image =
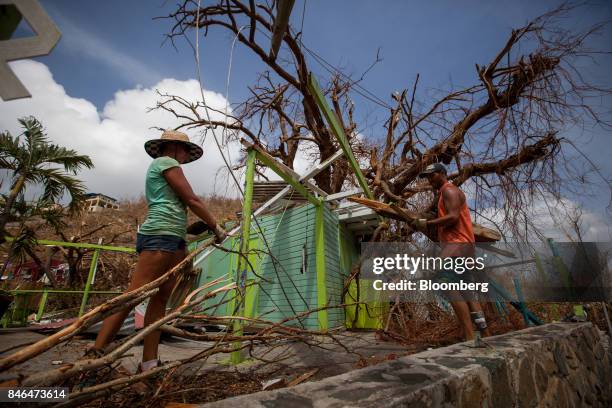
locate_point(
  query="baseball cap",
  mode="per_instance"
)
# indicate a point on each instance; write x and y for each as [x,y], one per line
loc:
[433,168]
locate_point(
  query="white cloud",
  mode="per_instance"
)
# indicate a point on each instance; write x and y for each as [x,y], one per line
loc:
[304,161]
[307,157]
[550,216]
[114,138]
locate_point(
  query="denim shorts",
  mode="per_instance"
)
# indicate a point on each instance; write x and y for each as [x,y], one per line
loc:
[167,243]
[450,276]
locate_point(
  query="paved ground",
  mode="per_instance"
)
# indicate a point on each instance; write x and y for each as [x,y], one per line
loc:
[331,358]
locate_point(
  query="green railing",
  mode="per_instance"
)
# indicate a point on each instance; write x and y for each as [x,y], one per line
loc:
[23,294]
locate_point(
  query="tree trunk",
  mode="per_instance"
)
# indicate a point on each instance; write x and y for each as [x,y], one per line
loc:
[5,216]
[43,267]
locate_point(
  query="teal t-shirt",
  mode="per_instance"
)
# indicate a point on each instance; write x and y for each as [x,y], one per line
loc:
[167,214]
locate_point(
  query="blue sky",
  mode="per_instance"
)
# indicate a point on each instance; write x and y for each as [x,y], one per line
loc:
[113,46]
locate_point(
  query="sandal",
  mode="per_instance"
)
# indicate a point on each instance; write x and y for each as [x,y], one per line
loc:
[99,375]
[153,382]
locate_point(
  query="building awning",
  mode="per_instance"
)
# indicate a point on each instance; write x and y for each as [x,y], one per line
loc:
[357,217]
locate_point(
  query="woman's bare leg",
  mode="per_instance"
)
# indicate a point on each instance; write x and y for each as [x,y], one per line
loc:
[150,266]
[462,312]
[157,309]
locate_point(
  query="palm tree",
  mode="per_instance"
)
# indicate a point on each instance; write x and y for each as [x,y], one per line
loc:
[31,160]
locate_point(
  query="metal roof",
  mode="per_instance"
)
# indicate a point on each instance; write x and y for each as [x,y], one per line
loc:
[265,190]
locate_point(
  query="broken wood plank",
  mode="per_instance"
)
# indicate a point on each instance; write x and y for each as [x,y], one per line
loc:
[381,208]
[301,378]
[338,131]
[482,234]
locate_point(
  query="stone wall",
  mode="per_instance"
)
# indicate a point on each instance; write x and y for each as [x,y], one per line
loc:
[555,365]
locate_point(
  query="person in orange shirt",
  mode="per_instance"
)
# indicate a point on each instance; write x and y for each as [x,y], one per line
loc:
[456,237]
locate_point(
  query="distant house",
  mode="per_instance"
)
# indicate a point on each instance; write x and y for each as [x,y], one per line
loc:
[97,202]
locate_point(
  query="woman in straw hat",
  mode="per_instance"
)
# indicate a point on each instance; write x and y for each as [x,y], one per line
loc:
[160,241]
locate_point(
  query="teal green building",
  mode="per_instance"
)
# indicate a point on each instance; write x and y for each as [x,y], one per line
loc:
[283,279]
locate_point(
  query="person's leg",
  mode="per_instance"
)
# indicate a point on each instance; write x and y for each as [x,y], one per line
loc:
[476,307]
[150,265]
[457,302]
[462,311]
[157,309]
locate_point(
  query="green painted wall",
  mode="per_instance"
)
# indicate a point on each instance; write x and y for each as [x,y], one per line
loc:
[289,290]
[283,288]
[370,315]
[335,273]
[216,265]
[282,292]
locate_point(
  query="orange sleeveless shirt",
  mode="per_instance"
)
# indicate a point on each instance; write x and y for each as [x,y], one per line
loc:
[462,231]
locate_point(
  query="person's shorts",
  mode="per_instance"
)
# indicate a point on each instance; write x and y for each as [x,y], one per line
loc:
[167,243]
[450,276]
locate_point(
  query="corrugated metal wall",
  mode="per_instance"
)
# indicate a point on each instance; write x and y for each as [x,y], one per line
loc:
[284,288]
[290,290]
[335,272]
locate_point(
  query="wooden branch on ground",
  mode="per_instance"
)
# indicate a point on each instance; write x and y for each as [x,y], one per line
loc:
[49,377]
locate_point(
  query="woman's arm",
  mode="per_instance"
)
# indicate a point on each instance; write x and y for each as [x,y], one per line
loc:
[176,179]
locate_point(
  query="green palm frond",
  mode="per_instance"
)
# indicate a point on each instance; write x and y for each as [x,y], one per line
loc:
[32,160]
[69,159]
[37,151]
[53,191]
[10,152]
[33,133]
[24,243]
[56,183]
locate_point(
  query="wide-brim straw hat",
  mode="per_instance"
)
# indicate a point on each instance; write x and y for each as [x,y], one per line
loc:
[154,147]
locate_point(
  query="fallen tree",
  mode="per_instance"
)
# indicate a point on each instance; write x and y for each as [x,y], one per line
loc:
[503,136]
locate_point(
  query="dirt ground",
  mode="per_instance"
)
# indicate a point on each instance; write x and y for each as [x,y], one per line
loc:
[215,379]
